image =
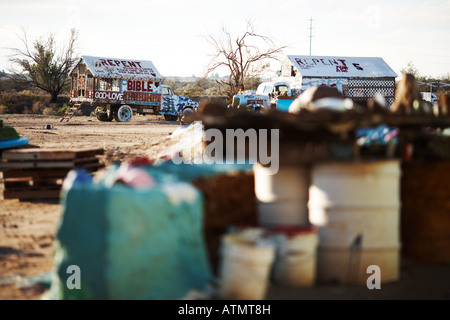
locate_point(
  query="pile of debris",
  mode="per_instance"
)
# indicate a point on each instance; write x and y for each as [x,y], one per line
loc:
[34,173]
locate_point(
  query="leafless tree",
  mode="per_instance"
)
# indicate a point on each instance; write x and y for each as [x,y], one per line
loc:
[246,56]
[41,66]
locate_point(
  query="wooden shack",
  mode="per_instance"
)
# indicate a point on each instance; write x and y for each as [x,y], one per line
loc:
[358,78]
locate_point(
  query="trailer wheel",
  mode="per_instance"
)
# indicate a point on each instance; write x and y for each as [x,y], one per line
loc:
[123,114]
[185,116]
[169,117]
[102,115]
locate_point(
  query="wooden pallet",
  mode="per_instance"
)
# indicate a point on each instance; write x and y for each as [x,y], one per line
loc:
[31,174]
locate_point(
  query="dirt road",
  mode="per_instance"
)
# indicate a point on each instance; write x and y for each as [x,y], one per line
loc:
[27,229]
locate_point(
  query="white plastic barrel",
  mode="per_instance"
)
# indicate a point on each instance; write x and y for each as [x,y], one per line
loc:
[295,259]
[356,208]
[245,267]
[282,198]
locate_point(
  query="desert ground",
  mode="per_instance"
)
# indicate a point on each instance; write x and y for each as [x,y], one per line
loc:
[28,228]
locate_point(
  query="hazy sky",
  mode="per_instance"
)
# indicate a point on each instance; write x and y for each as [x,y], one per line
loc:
[171,33]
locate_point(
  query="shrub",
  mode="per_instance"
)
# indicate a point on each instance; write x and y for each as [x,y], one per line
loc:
[62,111]
[3,109]
[39,106]
[49,111]
[27,110]
[27,92]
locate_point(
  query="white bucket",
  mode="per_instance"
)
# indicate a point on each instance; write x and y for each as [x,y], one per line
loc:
[282,197]
[296,256]
[356,207]
[245,267]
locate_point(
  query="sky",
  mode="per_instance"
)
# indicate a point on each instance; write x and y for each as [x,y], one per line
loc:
[173,33]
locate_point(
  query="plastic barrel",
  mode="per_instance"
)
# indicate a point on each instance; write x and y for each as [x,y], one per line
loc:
[245,268]
[283,104]
[356,208]
[282,198]
[296,256]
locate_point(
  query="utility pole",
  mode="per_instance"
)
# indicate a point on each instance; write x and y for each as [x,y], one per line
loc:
[310,34]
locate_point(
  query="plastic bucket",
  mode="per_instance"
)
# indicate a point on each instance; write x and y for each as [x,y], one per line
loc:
[356,208]
[282,198]
[296,251]
[244,272]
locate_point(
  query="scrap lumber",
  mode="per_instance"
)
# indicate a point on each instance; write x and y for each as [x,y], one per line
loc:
[34,173]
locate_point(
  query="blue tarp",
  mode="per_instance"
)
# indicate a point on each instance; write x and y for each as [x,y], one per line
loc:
[134,243]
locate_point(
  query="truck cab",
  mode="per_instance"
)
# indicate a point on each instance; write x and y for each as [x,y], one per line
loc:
[175,107]
[251,101]
[429,97]
[276,91]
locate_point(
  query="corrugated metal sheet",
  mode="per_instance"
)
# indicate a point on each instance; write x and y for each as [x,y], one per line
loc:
[351,67]
[121,68]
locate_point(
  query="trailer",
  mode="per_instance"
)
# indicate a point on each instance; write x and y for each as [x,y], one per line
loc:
[358,78]
[120,88]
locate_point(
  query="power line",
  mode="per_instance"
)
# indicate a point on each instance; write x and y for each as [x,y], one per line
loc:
[310,34]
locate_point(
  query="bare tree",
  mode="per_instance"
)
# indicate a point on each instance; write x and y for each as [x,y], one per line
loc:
[41,66]
[245,57]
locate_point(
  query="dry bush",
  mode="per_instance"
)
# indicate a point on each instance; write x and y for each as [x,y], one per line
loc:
[24,102]
[50,111]
[27,110]
[39,107]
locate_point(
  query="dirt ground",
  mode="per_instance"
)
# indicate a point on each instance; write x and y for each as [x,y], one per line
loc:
[27,229]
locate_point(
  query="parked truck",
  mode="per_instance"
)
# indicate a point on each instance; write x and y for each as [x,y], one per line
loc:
[120,88]
[429,97]
[280,93]
[268,95]
[251,101]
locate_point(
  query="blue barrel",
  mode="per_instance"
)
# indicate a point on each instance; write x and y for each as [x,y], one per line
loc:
[283,104]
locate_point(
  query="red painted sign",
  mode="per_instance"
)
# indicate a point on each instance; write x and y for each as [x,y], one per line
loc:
[125,67]
[119,63]
[136,85]
[140,96]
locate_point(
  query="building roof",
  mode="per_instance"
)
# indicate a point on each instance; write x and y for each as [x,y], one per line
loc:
[354,67]
[121,68]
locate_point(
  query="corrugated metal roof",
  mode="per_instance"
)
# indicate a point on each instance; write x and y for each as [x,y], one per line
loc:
[121,68]
[327,66]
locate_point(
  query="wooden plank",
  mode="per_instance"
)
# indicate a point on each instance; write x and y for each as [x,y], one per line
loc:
[47,164]
[31,194]
[35,173]
[50,154]
[19,184]
[28,183]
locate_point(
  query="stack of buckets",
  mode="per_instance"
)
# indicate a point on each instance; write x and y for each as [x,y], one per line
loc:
[324,223]
[329,222]
[281,249]
[283,212]
[356,208]
[252,257]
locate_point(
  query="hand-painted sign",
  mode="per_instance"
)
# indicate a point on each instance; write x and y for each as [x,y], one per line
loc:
[322,66]
[108,95]
[121,68]
[138,85]
[140,96]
